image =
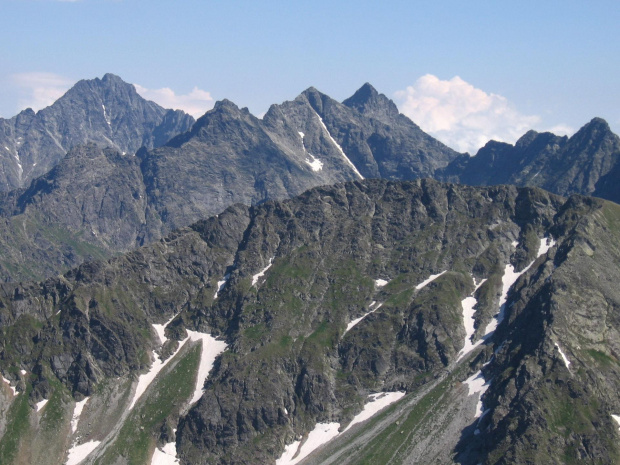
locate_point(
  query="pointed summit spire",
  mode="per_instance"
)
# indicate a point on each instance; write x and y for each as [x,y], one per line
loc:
[371,103]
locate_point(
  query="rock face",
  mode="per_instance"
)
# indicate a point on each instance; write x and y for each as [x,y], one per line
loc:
[97,203]
[107,111]
[587,163]
[282,281]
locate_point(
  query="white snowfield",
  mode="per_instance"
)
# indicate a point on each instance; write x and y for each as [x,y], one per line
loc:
[346,159]
[161,329]
[105,115]
[430,279]
[617,419]
[79,452]
[325,432]
[14,389]
[380,282]
[510,277]
[477,385]
[564,357]
[211,348]
[315,163]
[476,382]
[145,380]
[77,413]
[357,320]
[41,404]
[260,274]
[468,304]
[296,452]
[545,244]
[165,456]
[220,285]
[378,402]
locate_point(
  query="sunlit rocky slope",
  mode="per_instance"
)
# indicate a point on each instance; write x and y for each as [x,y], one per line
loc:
[493,310]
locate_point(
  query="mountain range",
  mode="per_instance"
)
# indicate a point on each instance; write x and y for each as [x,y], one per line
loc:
[267,303]
[106,111]
[100,201]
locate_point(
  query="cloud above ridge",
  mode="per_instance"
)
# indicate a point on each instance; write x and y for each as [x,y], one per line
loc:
[196,102]
[38,90]
[460,115]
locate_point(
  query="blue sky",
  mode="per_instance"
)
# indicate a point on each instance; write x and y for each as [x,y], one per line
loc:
[464,71]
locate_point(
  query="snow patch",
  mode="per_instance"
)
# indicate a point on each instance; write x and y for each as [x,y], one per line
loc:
[545,244]
[23,372]
[161,330]
[510,277]
[477,385]
[357,320]
[77,412]
[617,418]
[257,276]
[378,402]
[315,163]
[346,159]
[79,453]
[296,452]
[468,304]
[7,148]
[105,115]
[9,383]
[430,279]
[165,456]
[19,165]
[211,348]
[220,285]
[41,404]
[325,432]
[566,360]
[380,282]
[145,380]
[514,244]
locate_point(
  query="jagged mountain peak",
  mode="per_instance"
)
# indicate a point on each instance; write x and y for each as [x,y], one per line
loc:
[107,111]
[109,77]
[598,123]
[109,87]
[225,104]
[596,128]
[371,103]
[527,138]
[316,99]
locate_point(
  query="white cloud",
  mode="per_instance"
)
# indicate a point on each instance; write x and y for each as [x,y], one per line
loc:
[196,103]
[462,116]
[561,130]
[38,90]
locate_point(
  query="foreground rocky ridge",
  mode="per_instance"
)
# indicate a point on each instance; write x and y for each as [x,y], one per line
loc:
[282,281]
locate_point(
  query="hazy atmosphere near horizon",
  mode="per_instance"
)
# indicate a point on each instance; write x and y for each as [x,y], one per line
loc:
[465,72]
